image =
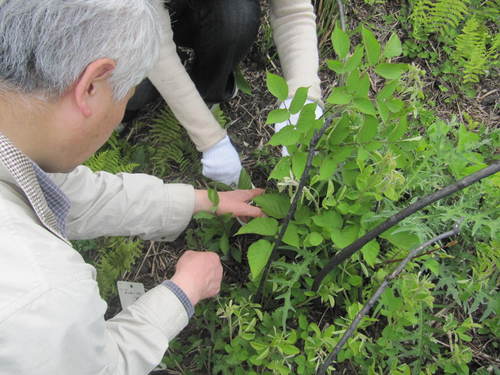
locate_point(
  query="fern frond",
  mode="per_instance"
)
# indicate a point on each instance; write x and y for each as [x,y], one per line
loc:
[441,17]
[171,147]
[117,255]
[110,161]
[470,50]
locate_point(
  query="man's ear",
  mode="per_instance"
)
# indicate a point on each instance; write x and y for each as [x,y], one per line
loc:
[89,82]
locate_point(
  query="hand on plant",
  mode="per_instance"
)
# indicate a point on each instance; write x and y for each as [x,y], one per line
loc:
[230,202]
[198,274]
[293,119]
[222,163]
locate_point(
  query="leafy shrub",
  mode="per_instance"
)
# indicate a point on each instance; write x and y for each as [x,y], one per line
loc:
[382,151]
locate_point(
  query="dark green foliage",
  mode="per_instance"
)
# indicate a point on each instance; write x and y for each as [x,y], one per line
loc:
[116,256]
[466,30]
[169,147]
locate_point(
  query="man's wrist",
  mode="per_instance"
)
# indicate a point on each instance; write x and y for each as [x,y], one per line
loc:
[181,295]
[201,201]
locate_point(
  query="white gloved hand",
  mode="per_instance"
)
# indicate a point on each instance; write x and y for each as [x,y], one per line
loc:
[293,119]
[222,163]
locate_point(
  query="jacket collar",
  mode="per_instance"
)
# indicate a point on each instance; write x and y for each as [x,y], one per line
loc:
[17,169]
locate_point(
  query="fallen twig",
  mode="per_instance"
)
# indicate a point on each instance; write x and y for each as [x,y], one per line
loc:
[421,203]
[378,293]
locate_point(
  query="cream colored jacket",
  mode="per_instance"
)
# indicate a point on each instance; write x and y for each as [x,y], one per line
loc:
[294,31]
[51,314]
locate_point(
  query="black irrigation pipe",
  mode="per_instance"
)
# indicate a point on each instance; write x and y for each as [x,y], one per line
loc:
[293,207]
[393,220]
[350,331]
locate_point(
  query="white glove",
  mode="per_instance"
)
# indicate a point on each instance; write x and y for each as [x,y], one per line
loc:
[222,163]
[293,120]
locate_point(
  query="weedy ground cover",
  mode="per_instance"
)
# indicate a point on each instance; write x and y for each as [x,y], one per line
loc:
[386,147]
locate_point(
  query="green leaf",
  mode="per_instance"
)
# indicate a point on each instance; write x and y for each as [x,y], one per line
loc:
[285,137]
[354,61]
[432,265]
[341,131]
[327,168]
[258,255]
[273,204]
[355,280]
[393,47]
[372,46]
[241,82]
[245,182]
[346,236]
[395,105]
[399,130]
[391,71]
[387,90]
[281,170]
[265,226]
[369,130]
[339,96]
[299,160]
[335,65]
[277,86]
[313,239]
[364,106]
[291,236]
[383,111]
[307,118]
[277,115]
[340,42]
[370,252]
[289,349]
[328,219]
[401,238]
[299,99]
[224,244]
[358,85]
[213,197]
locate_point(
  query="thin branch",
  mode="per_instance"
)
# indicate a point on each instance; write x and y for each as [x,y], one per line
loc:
[293,207]
[350,331]
[449,244]
[393,220]
[342,15]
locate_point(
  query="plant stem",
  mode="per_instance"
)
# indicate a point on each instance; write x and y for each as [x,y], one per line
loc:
[393,220]
[342,15]
[293,207]
[350,331]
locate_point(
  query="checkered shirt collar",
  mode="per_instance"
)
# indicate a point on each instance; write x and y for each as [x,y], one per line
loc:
[47,200]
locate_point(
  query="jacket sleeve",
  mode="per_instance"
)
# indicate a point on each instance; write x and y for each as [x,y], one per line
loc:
[103,204]
[294,32]
[64,332]
[174,84]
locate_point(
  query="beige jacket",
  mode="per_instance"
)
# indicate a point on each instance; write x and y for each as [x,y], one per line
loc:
[51,314]
[294,32]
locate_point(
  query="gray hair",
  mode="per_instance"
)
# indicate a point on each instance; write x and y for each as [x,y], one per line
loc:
[45,45]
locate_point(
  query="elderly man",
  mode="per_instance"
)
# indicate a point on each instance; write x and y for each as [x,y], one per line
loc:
[67,70]
[220,32]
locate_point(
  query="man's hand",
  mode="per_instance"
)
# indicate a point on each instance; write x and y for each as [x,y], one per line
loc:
[198,274]
[230,202]
[222,163]
[293,120]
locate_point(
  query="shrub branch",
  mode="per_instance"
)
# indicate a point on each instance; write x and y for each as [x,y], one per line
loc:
[350,331]
[293,207]
[393,220]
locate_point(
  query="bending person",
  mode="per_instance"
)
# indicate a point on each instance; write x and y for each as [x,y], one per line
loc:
[221,32]
[67,70]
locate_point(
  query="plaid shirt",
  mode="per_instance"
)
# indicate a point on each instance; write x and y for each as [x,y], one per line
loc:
[50,204]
